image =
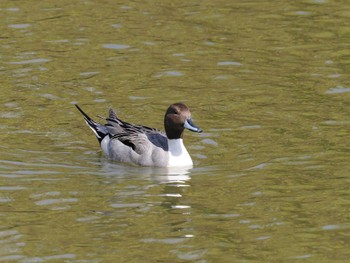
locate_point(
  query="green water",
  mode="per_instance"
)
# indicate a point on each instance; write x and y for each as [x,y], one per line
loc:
[267,82]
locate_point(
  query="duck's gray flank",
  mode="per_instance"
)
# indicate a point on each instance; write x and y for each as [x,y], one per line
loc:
[142,145]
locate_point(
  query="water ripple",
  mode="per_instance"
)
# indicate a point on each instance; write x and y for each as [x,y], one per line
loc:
[56,201]
[229,63]
[30,61]
[19,26]
[115,46]
[337,90]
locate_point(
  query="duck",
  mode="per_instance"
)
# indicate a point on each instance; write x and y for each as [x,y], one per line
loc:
[141,145]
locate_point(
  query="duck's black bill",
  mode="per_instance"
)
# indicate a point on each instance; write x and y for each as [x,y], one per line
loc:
[190,126]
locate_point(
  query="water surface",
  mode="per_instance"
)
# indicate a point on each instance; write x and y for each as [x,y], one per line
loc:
[268,84]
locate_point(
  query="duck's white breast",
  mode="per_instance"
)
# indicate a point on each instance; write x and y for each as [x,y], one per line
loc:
[178,155]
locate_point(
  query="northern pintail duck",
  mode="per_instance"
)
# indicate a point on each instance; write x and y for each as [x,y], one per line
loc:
[126,142]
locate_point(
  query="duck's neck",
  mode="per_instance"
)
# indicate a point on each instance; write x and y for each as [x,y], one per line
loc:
[178,155]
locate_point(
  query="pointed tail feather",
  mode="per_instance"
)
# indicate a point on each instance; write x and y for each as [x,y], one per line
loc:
[112,114]
[99,130]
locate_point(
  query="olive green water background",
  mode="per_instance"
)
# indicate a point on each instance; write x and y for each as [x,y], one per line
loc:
[267,81]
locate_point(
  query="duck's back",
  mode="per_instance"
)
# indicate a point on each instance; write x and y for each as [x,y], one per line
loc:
[133,143]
